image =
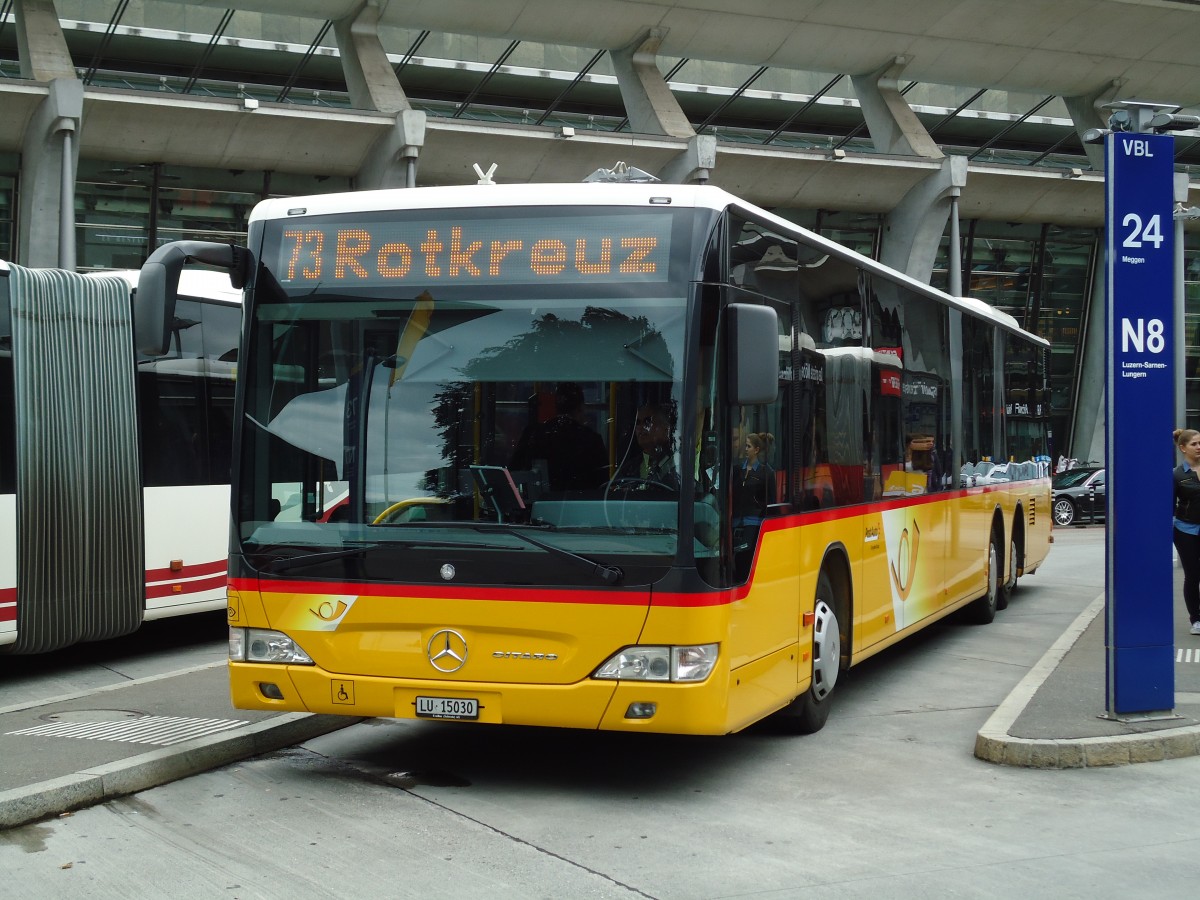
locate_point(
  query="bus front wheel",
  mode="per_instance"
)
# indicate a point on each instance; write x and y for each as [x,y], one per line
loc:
[809,712]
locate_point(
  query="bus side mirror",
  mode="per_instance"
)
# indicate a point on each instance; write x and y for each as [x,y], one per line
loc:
[158,286]
[752,336]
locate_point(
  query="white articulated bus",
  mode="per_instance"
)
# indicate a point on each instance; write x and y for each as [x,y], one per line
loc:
[114,466]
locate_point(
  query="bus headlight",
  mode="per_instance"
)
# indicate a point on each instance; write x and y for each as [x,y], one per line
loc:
[263,646]
[694,663]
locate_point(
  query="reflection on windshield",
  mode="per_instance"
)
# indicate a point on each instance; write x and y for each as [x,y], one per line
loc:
[381,419]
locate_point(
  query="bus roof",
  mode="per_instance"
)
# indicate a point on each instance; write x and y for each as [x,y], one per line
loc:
[206,284]
[605,194]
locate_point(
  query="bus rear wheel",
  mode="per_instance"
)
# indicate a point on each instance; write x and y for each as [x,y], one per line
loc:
[809,712]
[1010,579]
[983,610]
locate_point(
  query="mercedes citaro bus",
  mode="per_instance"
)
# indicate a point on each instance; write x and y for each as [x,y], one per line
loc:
[405,542]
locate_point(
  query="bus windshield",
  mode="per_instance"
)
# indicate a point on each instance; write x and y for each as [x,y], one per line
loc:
[385,422]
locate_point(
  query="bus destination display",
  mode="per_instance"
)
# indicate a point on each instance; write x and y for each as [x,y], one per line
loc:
[632,247]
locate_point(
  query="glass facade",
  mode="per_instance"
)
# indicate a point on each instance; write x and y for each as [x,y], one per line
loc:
[1042,274]
[1191,335]
[1039,274]
[123,212]
[8,205]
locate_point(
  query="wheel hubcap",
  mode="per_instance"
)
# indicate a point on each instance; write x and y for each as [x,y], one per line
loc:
[827,650]
[993,573]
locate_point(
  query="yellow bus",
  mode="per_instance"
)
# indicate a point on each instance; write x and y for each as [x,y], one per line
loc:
[635,457]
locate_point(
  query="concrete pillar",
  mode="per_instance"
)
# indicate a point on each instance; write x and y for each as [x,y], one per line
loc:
[894,127]
[649,103]
[693,165]
[653,109]
[913,230]
[1179,324]
[49,161]
[370,78]
[372,84]
[41,47]
[392,161]
[1087,429]
[1087,111]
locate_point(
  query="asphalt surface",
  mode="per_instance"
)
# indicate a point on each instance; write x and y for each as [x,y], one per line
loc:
[76,750]
[80,749]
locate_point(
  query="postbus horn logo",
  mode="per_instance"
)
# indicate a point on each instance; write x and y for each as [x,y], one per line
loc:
[904,566]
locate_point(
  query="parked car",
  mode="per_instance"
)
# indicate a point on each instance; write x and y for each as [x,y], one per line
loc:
[1078,495]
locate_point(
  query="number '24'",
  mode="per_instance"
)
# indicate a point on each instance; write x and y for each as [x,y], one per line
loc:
[1151,233]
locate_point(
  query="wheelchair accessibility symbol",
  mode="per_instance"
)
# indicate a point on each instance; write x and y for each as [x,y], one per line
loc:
[343,692]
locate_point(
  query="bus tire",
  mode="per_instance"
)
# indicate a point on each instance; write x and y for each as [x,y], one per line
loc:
[1010,577]
[983,610]
[809,712]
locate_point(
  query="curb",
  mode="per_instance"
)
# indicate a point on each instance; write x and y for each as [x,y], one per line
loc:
[994,744]
[22,806]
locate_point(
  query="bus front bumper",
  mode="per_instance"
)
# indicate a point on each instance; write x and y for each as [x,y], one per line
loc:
[592,704]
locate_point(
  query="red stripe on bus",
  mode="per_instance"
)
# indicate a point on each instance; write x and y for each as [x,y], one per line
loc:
[609,596]
[217,567]
[154,591]
[8,596]
[524,595]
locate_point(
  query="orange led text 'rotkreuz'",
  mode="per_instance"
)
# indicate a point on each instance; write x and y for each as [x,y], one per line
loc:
[355,256]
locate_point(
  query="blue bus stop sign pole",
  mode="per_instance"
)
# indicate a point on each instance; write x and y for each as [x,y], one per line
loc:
[1139,584]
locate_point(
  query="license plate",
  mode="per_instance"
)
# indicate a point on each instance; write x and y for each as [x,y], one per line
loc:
[447,708]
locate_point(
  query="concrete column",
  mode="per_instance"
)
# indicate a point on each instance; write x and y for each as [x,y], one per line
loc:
[372,83]
[40,43]
[894,127]
[49,161]
[1087,430]
[1181,186]
[653,109]
[370,78]
[913,230]
[1087,111]
[954,276]
[649,103]
[693,165]
[392,161]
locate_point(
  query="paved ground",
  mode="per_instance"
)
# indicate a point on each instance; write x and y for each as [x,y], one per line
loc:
[1056,716]
[132,736]
[151,730]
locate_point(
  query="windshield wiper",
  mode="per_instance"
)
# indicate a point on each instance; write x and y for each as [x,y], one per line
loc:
[607,574]
[284,563]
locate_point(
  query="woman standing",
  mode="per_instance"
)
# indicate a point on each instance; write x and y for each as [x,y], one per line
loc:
[753,492]
[754,482]
[1187,520]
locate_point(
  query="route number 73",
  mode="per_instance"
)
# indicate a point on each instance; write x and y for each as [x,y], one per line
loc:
[1150,234]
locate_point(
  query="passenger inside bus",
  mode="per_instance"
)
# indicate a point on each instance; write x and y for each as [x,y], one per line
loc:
[650,461]
[922,468]
[573,453]
[754,490]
